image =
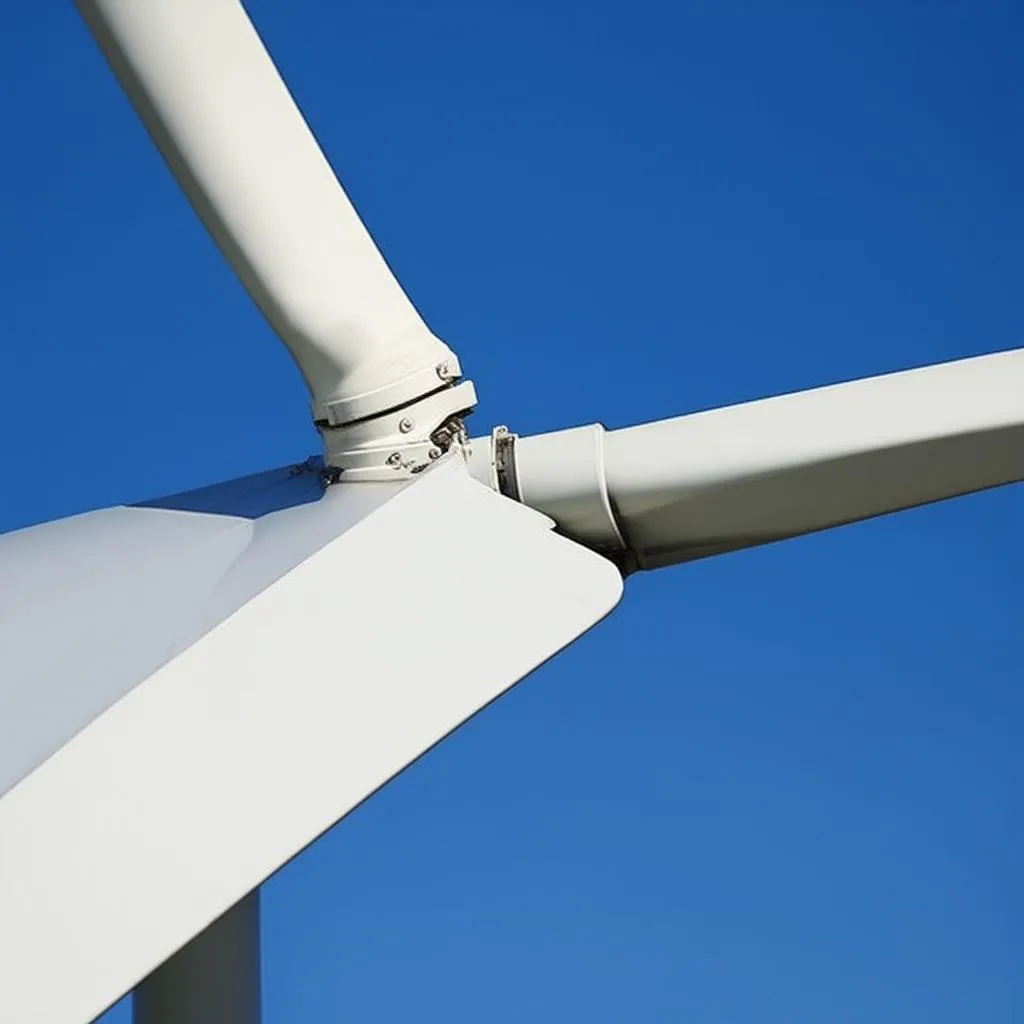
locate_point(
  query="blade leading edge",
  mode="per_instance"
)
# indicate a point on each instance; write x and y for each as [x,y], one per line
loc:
[213,101]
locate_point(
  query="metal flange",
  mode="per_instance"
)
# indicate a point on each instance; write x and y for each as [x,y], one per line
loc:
[401,442]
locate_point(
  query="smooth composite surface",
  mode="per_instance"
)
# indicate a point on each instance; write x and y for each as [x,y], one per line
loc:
[199,75]
[126,589]
[706,484]
[209,775]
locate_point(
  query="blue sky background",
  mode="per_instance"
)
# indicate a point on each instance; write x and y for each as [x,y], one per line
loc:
[776,787]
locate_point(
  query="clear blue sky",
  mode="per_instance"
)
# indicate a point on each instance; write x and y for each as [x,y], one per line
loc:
[777,787]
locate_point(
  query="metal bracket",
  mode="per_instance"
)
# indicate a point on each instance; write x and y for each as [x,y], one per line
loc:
[401,442]
[337,412]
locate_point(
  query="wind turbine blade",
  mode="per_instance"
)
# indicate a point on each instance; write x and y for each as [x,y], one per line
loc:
[236,686]
[208,91]
[730,478]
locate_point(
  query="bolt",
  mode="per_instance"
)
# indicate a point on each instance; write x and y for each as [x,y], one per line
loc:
[444,370]
[435,453]
[405,424]
[394,459]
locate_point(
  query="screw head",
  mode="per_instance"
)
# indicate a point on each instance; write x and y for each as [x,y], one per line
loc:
[435,453]
[405,424]
[444,370]
[394,459]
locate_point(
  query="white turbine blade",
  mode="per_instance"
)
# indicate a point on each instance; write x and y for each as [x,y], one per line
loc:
[784,466]
[237,686]
[207,90]
[730,478]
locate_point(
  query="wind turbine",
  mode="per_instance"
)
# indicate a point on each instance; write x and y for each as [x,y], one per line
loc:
[346,614]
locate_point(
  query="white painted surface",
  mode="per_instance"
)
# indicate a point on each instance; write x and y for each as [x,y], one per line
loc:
[747,474]
[564,473]
[92,605]
[201,79]
[231,758]
[89,607]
